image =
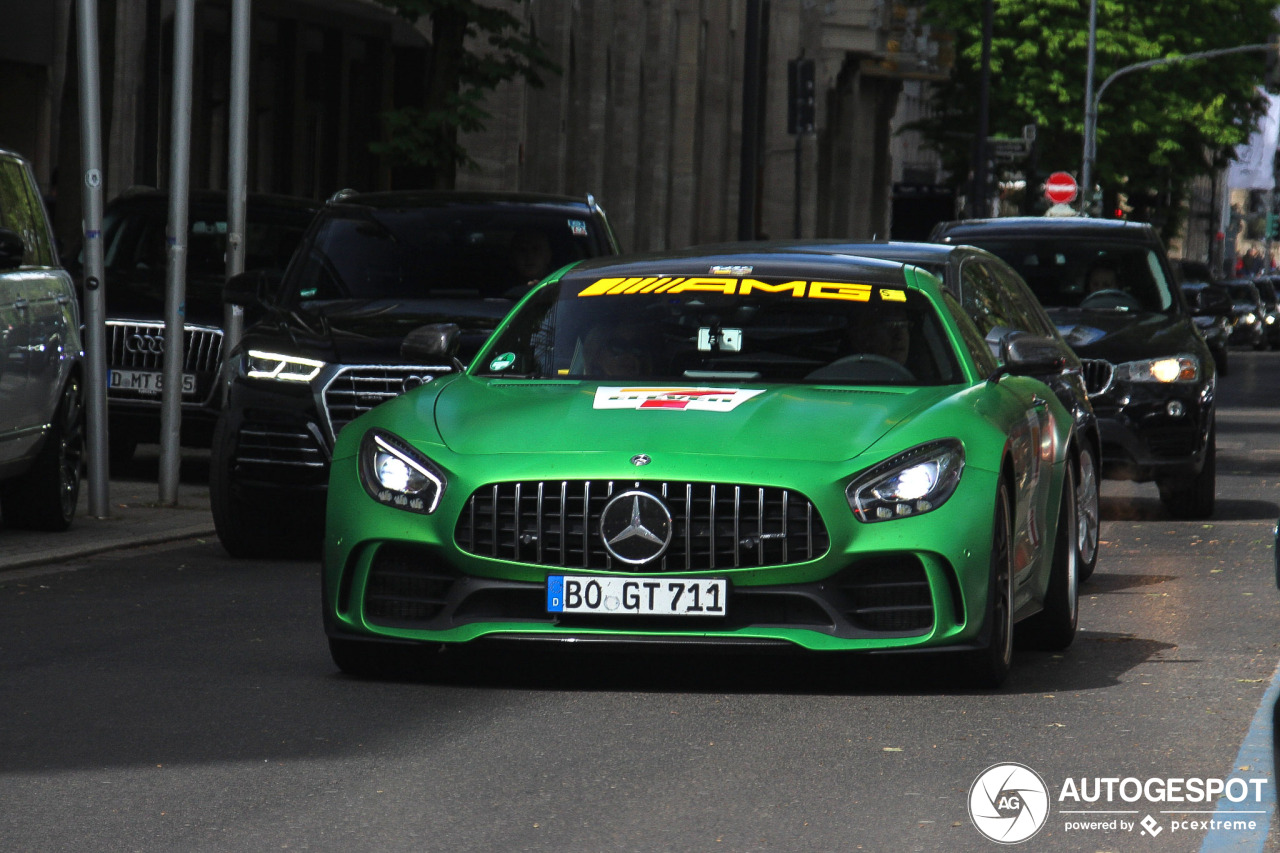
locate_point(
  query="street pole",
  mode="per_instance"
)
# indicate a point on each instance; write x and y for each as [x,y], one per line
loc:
[175,279]
[750,151]
[237,165]
[95,392]
[1090,113]
[979,206]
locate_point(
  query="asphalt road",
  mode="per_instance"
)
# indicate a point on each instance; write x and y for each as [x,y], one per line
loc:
[171,698]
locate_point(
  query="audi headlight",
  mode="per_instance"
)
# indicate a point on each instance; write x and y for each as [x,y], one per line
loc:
[395,474]
[1177,368]
[912,483]
[287,368]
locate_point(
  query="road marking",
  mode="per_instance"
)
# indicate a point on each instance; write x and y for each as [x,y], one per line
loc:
[1255,753]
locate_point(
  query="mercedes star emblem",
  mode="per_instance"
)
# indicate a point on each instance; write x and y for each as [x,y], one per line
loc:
[636,527]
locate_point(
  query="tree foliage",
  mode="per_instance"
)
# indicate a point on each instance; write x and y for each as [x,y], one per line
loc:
[475,47]
[1156,128]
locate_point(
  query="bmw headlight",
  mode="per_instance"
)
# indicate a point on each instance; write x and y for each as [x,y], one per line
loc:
[1176,368]
[287,368]
[395,474]
[911,483]
[1251,318]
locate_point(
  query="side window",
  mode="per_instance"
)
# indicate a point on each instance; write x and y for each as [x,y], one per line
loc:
[973,339]
[1023,303]
[21,211]
[981,298]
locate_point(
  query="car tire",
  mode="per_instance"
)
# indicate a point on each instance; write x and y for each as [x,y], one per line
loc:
[1220,360]
[1088,511]
[375,660]
[241,523]
[1054,627]
[45,496]
[989,665]
[1194,497]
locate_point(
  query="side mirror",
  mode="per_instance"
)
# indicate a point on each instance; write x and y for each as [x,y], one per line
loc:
[12,249]
[250,289]
[1215,301]
[436,341]
[1030,355]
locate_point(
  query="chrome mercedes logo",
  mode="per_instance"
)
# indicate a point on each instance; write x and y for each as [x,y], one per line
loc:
[640,459]
[636,527]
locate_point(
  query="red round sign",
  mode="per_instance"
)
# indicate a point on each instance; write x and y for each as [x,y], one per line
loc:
[1060,188]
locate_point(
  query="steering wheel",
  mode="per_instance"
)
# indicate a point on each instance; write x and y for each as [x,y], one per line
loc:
[1104,299]
[863,367]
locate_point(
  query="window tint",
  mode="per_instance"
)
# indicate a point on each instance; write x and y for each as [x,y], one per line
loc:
[1062,272]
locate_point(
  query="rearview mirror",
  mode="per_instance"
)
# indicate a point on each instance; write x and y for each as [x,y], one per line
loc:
[1029,355]
[436,341]
[1213,301]
[250,289]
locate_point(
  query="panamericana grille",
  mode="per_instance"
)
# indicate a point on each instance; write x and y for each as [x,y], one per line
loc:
[358,388]
[1097,375]
[716,525]
[888,594]
[135,345]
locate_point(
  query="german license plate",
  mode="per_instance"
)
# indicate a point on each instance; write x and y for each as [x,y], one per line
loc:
[146,381]
[653,596]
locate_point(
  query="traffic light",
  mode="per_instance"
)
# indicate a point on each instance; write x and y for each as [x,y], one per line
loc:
[801,100]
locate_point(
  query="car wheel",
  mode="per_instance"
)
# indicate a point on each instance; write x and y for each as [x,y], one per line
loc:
[1193,497]
[45,496]
[1054,627]
[1088,512]
[990,665]
[245,527]
[377,660]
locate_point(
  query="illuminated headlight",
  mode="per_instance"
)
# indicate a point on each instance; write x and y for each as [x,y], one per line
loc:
[1251,318]
[911,483]
[1178,368]
[288,368]
[1270,319]
[395,474]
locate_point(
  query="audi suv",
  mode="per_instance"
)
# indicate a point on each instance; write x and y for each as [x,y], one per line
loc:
[388,291]
[135,257]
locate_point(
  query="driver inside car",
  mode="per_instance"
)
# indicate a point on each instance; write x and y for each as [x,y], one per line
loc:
[1102,276]
[886,332]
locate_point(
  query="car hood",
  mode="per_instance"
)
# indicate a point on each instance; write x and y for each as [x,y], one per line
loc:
[1124,336]
[480,416]
[373,330]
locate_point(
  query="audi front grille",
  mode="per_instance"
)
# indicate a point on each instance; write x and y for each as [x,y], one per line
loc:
[140,345]
[1098,373]
[355,390]
[715,525]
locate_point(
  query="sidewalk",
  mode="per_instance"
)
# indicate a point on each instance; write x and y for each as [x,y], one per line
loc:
[134,518]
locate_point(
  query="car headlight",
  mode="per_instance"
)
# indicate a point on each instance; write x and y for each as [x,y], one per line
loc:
[914,482]
[1251,318]
[1175,368]
[287,368]
[395,474]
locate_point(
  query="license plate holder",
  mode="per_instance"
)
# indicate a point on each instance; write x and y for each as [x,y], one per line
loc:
[149,382]
[647,596]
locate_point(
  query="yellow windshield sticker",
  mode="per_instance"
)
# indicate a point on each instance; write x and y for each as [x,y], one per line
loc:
[846,291]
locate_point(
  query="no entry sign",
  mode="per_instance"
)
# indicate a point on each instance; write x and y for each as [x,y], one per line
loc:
[1060,188]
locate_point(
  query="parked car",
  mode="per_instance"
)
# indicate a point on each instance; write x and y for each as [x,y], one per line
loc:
[785,450]
[1002,307]
[41,367]
[135,257]
[1266,285]
[1246,313]
[358,320]
[1109,287]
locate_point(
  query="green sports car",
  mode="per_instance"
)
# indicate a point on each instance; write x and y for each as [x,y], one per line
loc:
[764,450]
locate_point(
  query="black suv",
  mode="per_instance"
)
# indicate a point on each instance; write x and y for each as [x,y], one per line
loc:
[387,292]
[135,257]
[1109,287]
[41,406]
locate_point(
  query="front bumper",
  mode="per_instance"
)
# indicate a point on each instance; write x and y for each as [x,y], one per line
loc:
[1154,432]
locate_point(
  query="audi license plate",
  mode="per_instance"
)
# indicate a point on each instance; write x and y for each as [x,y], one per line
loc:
[637,597]
[146,381]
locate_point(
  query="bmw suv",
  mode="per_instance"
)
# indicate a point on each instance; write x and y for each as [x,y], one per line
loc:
[387,292]
[1109,287]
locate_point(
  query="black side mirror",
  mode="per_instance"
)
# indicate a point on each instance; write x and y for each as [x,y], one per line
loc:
[436,341]
[1213,301]
[12,249]
[1030,355]
[250,289]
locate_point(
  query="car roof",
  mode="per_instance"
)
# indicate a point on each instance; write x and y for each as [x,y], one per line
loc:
[1028,226]
[761,261]
[403,199]
[901,251]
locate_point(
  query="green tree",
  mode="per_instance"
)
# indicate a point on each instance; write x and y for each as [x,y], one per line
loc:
[474,47]
[1156,128]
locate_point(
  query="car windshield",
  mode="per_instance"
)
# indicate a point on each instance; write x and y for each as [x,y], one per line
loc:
[135,240]
[436,253]
[1089,273]
[767,330]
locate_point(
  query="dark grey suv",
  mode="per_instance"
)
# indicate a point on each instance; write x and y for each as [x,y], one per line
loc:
[1109,287]
[41,408]
[386,292]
